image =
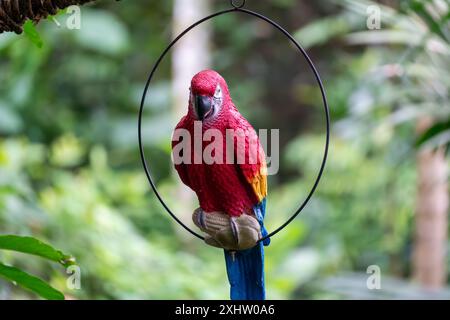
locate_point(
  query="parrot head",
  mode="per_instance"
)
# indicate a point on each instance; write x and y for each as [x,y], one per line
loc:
[209,92]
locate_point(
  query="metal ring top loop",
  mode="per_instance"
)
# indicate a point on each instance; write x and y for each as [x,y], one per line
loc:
[237,6]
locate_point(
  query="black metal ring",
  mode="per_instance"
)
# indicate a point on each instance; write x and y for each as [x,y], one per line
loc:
[316,75]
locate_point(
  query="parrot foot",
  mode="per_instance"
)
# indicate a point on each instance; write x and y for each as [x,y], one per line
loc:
[230,233]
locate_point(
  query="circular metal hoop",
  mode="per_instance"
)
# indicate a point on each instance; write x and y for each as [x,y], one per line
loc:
[237,8]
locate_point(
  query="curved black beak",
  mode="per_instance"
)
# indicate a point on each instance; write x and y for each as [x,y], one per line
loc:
[203,106]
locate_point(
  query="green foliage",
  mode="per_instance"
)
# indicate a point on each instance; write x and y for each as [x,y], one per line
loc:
[35,247]
[32,34]
[319,32]
[29,282]
[421,69]
[429,13]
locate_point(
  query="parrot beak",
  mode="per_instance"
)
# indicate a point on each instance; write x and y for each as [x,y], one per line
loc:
[203,106]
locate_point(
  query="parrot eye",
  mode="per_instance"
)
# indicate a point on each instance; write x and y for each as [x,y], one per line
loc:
[218,93]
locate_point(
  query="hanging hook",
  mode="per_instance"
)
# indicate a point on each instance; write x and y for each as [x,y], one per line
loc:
[237,6]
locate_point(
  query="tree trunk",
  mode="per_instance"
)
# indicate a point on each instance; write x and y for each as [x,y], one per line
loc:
[190,55]
[14,13]
[429,256]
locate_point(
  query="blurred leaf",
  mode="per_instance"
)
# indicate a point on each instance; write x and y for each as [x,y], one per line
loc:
[103,32]
[7,38]
[29,282]
[384,36]
[10,122]
[33,246]
[67,151]
[419,7]
[389,16]
[432,132]
[30,31]
[302,264]
[320,31]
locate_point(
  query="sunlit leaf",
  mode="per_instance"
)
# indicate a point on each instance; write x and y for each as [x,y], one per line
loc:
[33,246]
[30,31]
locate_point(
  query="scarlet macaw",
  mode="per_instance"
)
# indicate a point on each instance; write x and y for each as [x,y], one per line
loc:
[232,194]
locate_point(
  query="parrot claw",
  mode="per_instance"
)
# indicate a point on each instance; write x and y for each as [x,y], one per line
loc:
[201,219]
[230,233]
[234,229]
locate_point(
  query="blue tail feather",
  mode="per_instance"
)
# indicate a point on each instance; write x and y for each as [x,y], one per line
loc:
[245,268]
[246,273]
[260,212]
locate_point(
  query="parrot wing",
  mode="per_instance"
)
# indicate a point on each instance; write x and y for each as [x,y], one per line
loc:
[181,168]
[254,171]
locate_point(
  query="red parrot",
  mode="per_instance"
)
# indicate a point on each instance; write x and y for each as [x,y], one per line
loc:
[235,183]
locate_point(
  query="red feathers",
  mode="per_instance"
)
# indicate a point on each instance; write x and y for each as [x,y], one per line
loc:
[205,83]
